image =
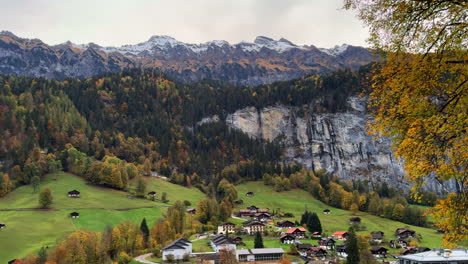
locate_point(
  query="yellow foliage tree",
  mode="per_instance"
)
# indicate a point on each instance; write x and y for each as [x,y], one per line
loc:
[419,95]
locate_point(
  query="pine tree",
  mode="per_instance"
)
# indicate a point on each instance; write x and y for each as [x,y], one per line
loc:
[314,224]
[258,242]
[352,248]
[35,181]
[41,256]
[145,230]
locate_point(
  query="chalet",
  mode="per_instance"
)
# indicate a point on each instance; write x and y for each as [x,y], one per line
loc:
[226,228]
[221,242]
[177,249]
[74,215]
[327,211]
[74,194]
[287,239]
[191,210]
[328,243]
[262,217]
[260,255]
[316,235]
[405,233]
[355,220]
[399,243]
[377,236]
[251,227]
[437,256]
[253,209]
[239,202]
[340,235]
[317,252]
[303,248]
[249,194]
[379,252]
[244,213]
[297,232]
[2,225]
[285,223]
[341,250]
[414,250]
[238,241]
[152,193]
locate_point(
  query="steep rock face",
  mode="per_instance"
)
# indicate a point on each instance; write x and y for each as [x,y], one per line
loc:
[336,142]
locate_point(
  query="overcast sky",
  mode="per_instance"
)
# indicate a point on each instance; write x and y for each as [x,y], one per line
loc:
[322,23]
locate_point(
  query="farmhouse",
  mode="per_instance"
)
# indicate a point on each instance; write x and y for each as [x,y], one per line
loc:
[287,239]
[355,220]
[377,236]
[297,232]
[328,243]
[74,194]
[317,252]
[340,235]
[221,242]
[405,233]
[399,243]
[262,217]
[251,227]
[285,223]
[177,249]
[303,248]
[226,228]
[263,255]
[379,252]
[341,250]
[74,215]
[254,211]
[2,225]
[440,256]
[327,211]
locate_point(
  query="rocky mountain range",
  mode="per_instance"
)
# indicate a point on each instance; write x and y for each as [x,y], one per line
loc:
[263,61]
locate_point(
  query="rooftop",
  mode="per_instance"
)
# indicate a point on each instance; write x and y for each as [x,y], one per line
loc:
[179,243]
[439,255]
[255,251]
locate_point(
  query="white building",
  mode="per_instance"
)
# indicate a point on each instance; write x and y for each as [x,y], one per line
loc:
[221,242]
[273,255]
[226,228]
[437,256]
[178,249]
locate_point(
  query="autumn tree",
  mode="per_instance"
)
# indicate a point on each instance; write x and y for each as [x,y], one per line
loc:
[45,198]
[419,95]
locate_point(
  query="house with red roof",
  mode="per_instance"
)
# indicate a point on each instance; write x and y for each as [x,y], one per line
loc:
[340,235]
[297,232]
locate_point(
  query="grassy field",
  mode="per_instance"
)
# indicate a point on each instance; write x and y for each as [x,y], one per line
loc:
[27,231]
[296,201]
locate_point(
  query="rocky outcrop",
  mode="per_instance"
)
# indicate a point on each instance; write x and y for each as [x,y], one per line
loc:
[336,142]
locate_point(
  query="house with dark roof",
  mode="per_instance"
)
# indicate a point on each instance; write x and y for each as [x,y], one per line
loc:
[341,250]
[208,258]
[287,239]
[191,210]
[302,248]
[377,236]
[260,255]
[379,252]
[226,228]
[327,211]
[285,223]
[177,249]
[262,217]
[74,194]
[399,243]
[74,215]
[297,232]
[328,243]
[152,193]
[2,225]
[317,252]
[251,227]
[414,250]
[355,220]
[405,233]
[238,241]
[249,194]
[221,242]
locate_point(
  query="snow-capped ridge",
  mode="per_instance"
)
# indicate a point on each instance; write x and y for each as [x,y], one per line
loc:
[336,50]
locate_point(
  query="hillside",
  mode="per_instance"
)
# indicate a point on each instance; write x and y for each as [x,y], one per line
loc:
[28,230]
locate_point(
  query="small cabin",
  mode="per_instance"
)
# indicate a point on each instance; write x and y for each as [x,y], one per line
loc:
[287,239]
[249,194]
[74,194]
[379,252]
[191,210]
[317,252]
[285,223]
[399,243]
[239,202]
[74,215]
[152,193]
[327,211]
[405,233]
[377,236]
[355,220]
[316,235]
[2,225]
[328,243]
[341,250]
[238,241]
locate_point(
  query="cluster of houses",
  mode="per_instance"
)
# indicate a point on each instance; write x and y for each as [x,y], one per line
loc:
[182,248]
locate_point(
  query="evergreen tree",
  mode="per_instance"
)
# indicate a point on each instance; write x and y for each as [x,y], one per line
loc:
[314,224]
[145,230]
[352,248]
[258,242]
[35,181]
[41,256]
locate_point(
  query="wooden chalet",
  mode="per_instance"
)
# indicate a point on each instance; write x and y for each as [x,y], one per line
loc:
[355,220]
[317,252]
[341,249]
[249,194]
[328,243]
[303,248]
[262,217]
[414,250]
[399,243]
[287,239]
[340,235]
[297,232]
[152,193]
[285,223]
[405,233]
[191,210]
[75,215]
[327,211]
[379,252]
[74,194]
[2,225]
[377,236]
[238,241]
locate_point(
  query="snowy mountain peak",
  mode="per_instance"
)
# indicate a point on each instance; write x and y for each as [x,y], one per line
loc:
[337,50]
[262,40]
[162,40]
